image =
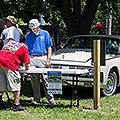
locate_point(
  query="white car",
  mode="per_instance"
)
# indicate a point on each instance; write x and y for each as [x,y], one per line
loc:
[77,54]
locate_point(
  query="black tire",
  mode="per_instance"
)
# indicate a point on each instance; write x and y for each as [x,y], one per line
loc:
[111,85]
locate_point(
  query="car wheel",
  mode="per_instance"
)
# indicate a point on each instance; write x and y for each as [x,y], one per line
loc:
[111,85]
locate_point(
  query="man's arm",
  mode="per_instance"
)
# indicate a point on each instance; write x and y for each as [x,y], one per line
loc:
[27,66]
[49,57]
[49,52]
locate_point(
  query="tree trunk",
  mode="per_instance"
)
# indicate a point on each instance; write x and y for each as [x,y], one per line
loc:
[77,22]
[109,20]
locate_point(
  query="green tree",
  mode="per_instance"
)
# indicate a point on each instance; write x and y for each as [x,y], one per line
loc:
[78,20]
[81,16]
[103,11]
[24,9]
[72,16]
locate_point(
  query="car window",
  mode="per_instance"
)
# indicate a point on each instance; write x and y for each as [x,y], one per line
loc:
[79,43]
[112,47]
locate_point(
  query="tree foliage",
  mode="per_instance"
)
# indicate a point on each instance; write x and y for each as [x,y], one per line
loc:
[77,20]
[72,16]
[24,9]
[103,11]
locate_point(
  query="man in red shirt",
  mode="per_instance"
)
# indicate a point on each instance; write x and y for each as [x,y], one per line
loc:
[11,56]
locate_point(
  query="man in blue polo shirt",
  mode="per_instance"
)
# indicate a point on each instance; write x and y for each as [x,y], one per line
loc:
[40,48]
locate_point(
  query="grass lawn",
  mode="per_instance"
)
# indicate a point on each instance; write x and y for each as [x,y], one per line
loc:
[110,106]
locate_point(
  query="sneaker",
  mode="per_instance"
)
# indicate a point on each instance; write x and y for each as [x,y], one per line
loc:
[35,101]
[18,107]
[52,101]
[2,107]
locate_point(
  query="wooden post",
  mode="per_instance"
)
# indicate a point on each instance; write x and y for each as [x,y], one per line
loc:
[96,92]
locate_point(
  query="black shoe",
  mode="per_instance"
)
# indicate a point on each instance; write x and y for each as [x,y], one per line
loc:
[2,107]
[35,101]
[18,107]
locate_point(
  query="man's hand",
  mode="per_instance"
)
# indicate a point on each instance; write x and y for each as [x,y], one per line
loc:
[27,66]
[48,64]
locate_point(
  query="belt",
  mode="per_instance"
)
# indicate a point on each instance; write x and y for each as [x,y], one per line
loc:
[38,55]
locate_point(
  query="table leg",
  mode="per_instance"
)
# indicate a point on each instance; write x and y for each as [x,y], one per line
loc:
[77,91]
[73,89]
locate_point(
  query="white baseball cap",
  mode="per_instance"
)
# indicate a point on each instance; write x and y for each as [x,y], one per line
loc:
[33,23]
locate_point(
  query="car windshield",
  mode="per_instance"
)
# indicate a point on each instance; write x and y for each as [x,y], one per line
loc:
[78,42]
[112,45]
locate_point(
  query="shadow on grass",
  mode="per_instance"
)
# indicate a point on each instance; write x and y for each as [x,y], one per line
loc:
[26,90]
[118,90]
[83,93]
[28,103]
[47,105]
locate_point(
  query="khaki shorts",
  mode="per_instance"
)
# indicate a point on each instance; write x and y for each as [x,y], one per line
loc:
[9,80]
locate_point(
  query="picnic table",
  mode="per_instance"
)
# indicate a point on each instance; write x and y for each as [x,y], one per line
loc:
[72,72]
